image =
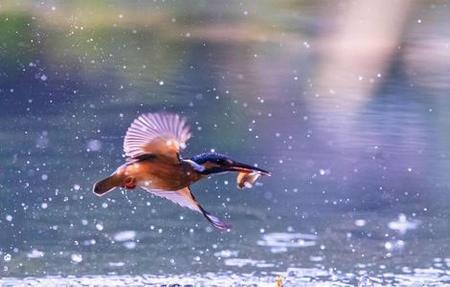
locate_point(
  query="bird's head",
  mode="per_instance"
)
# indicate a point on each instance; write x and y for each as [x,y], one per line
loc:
[209,163]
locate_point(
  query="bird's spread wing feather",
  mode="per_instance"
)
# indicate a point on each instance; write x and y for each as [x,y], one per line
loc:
[157,133]
[185,198]
[181,197]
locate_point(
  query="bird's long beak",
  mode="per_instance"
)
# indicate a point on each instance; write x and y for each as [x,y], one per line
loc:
[242,167]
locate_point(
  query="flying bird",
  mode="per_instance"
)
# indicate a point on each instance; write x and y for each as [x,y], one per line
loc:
[152,148]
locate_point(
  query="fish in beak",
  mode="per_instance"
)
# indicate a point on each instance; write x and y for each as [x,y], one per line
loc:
[247,174]
[245,168]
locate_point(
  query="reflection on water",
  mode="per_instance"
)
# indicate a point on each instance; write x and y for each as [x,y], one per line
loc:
[355,134]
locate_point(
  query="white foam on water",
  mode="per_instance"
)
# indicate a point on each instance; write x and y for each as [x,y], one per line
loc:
[308,277]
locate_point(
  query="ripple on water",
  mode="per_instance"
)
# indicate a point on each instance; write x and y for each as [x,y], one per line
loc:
[280,241]
[127,235]
[116,264]
[306,272]
[127,238]
[34,253]
[226,253]
[241,262]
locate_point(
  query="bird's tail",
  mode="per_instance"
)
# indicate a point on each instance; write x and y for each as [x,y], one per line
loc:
[106,185]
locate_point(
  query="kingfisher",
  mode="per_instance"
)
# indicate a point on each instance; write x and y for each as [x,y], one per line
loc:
[152,146]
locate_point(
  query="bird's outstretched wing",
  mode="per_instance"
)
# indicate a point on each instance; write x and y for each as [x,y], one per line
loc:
[158,134]
[185,198]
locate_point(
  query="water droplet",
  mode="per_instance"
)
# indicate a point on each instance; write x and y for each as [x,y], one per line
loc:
[7,257]
[77,258]
[99,226]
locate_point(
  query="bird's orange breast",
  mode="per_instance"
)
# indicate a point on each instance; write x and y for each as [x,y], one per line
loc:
[160,174]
